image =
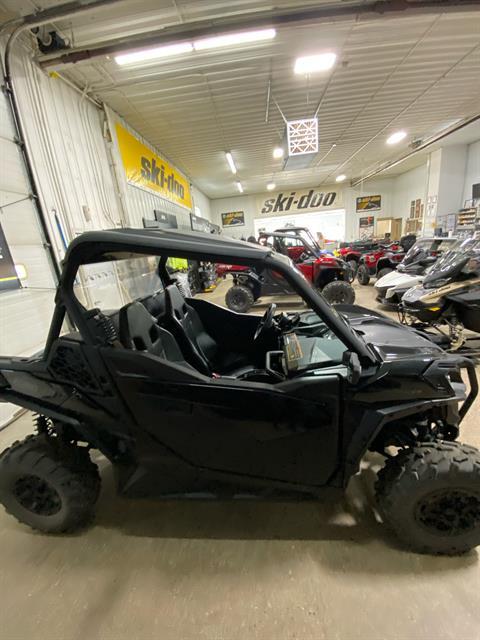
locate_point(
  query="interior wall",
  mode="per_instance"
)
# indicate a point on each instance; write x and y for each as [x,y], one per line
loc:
[452,178]
[201,204]
[409,186]
[472,171]
[245,203]
[381,187]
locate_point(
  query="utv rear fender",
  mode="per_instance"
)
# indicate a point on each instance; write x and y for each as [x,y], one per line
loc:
[66,405]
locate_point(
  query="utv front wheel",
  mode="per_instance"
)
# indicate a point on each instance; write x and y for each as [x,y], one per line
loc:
[339,292]
[363,276]
[239,298]
[430,496]
[46,488]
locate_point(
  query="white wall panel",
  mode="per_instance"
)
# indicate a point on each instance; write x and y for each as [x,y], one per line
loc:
[64,135]
[472,173]
[24,314]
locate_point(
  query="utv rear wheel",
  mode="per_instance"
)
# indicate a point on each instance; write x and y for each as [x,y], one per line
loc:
[239,298]
[363,276]
[384,272]
[339,292]
[46,487]
[430,496]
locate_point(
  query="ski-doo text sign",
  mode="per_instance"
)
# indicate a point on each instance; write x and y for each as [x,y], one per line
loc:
[288,202]
[147,170]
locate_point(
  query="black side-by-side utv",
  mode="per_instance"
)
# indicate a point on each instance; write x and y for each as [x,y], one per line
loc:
[183,396]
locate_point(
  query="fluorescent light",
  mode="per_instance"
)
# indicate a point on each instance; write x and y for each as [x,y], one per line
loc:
[278,152]
[340,178]
[271,186]
[239,186]
[153,54]
[319,62]
[230,161]
[396,137]
[230,39]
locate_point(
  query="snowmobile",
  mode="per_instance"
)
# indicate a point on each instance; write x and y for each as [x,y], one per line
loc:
[412,270]
[449,297]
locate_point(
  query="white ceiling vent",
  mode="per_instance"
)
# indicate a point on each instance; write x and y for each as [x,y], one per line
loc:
[302,136]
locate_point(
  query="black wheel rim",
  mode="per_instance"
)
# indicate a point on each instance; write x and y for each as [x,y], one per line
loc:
[37,496]
[237,300]
[449,512]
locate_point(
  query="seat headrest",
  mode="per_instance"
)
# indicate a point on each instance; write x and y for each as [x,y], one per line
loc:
[176,302]
[137,328]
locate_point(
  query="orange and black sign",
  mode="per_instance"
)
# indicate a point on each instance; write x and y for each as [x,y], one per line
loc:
[369,203]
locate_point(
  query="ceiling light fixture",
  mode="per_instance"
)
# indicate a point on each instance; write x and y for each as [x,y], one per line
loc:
[230,161]
[152,54]
[311,64]
[278,152]
[396,137]
[230,39]
[271,186]
[239,187]
[340,178]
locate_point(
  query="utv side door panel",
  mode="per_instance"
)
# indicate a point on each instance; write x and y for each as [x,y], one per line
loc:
[284,432]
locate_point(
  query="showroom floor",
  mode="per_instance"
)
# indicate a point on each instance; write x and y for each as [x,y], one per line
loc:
[228,570]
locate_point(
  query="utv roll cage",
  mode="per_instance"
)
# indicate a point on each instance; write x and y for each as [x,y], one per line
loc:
[119,244]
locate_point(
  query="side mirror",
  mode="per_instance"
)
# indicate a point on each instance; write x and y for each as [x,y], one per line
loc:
[351,360]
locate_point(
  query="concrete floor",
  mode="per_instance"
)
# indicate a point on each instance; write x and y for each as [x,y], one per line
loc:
[233,570]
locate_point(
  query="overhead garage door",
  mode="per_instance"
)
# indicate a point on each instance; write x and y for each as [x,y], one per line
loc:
[25,311]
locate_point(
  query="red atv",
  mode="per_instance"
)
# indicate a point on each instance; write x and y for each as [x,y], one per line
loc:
[326,273]
[384,259]
[351,252]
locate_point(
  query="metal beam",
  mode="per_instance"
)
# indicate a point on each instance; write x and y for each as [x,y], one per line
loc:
[393,163]
[272,18]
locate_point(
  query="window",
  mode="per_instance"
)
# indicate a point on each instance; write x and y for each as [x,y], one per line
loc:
[110,285]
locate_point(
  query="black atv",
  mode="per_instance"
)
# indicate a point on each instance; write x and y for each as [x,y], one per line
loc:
[183,396]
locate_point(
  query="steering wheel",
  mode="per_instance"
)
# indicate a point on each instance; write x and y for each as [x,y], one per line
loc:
[266,322]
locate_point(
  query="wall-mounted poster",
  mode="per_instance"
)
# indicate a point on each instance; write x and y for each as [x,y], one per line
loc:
[369,203]
[367,226]
[8,276]
[233,219]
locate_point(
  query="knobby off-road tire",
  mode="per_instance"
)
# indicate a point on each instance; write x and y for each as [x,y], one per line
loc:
[49,488]
[363,276]
[239,298]
[430,496]
[339,292]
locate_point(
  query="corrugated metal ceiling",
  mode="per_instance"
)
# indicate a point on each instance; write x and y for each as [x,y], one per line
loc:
[415,72]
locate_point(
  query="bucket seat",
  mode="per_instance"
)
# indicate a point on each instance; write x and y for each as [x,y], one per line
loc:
[138,330]
[199,347]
